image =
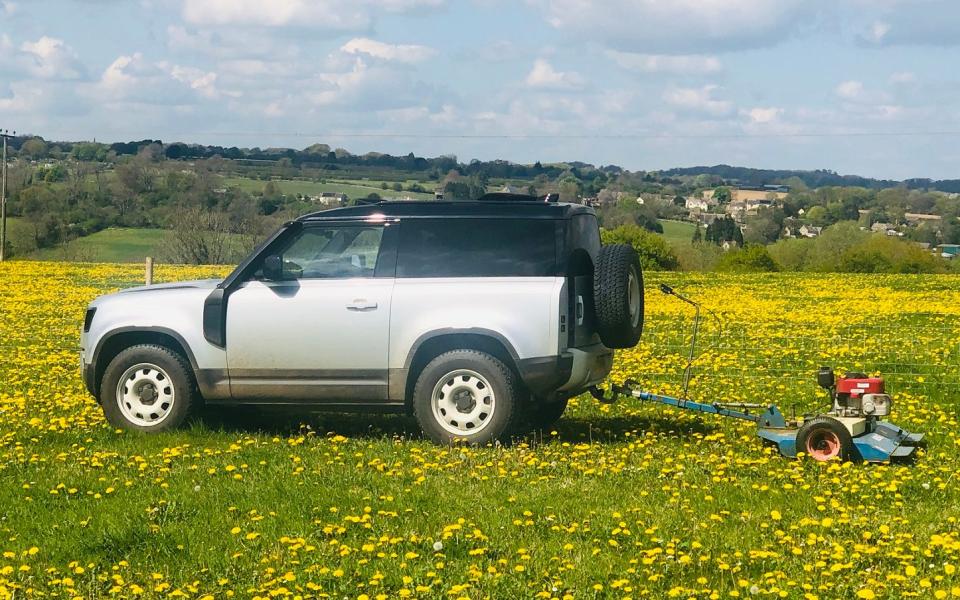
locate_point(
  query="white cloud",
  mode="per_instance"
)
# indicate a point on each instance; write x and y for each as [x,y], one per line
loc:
[903,22]
[8,8]
[878,30]
[544,76]
[276,13]
[850,90]
[681,26]
[902,78]
[698,100]
[690,64]
[132,78]
[763,114]
[335,15]
[50,58]
[203,82]
[405,53]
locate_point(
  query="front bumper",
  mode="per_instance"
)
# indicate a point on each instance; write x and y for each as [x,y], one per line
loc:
[88,373]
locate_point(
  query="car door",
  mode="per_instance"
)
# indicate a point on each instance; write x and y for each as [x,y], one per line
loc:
[320,332]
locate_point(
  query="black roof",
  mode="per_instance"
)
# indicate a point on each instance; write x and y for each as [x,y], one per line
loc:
[521,209]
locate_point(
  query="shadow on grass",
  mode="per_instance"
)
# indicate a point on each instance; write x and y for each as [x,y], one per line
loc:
[378,426]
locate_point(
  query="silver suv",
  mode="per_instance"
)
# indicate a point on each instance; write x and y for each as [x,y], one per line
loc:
[481,318]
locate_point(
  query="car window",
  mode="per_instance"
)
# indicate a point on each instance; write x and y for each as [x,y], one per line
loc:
[472,247]
[333,252]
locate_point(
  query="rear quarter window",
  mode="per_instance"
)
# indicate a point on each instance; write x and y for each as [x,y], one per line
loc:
[478,247]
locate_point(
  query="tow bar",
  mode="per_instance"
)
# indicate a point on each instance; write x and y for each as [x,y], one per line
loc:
[851,430]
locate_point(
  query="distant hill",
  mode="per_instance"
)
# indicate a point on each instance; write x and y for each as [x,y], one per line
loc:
[813,179]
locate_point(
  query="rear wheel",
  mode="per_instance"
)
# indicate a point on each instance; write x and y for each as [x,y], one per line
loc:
[466,395]
[823,439]
[618,296]
[148,388]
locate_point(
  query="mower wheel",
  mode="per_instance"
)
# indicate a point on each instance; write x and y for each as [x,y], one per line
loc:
[823,439]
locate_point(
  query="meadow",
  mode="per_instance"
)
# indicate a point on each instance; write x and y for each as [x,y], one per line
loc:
[622,501]
[352,188]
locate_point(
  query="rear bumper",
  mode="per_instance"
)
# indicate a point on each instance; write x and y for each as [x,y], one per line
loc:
[569,373]
[544,375]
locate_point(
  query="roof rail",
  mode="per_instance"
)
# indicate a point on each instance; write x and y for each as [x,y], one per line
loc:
[508,197]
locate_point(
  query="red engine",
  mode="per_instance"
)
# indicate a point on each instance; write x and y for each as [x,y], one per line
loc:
[855,395]
[857,385]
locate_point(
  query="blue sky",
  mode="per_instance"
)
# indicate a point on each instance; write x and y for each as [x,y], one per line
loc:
[857,86]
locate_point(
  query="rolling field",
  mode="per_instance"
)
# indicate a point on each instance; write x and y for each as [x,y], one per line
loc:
[113,245]
[622,501]
[677,232]
[353,189]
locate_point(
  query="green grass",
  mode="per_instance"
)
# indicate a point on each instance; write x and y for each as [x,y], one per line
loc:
[630,500]
[677,231]
[292,187]
[114,245]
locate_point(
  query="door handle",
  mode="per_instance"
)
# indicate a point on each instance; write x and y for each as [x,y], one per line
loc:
[361,305]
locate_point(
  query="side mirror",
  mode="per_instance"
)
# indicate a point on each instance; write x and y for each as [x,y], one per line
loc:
[273,268]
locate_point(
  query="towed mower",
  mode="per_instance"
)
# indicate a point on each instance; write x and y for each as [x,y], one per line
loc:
[852,429]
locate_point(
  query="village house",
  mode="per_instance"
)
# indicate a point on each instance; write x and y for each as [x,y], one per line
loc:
[692,203]
[330,199]
[810,231]
[753,193]
[917,218]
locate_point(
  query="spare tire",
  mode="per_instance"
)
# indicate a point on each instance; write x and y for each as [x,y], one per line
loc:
[618,296]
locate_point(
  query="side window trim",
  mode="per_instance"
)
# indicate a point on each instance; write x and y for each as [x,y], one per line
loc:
[389,244]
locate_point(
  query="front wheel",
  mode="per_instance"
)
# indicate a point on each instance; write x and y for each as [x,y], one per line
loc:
[148,388]
[823,439]
[466,395]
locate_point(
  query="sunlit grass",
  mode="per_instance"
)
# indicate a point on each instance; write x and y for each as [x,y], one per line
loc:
[622,501]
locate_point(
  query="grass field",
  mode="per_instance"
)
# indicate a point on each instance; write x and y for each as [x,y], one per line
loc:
[616,501]
[677,232]
[353,189]
[114,245]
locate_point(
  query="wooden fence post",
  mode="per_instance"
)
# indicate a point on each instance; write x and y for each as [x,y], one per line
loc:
[149,271]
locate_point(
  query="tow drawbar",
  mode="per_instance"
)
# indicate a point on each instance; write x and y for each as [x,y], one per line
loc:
[851,430]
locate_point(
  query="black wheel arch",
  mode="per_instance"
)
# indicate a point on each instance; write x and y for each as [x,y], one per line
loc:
[431,345]
[114,342]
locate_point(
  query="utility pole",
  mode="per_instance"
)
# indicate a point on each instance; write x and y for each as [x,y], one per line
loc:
[4,133]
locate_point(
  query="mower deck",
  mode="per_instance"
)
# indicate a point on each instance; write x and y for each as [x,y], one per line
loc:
[884,443]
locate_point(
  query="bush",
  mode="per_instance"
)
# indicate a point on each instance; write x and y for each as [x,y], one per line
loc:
[749,259]
[881,254]
[655,253]
[698,256]
[843,248]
